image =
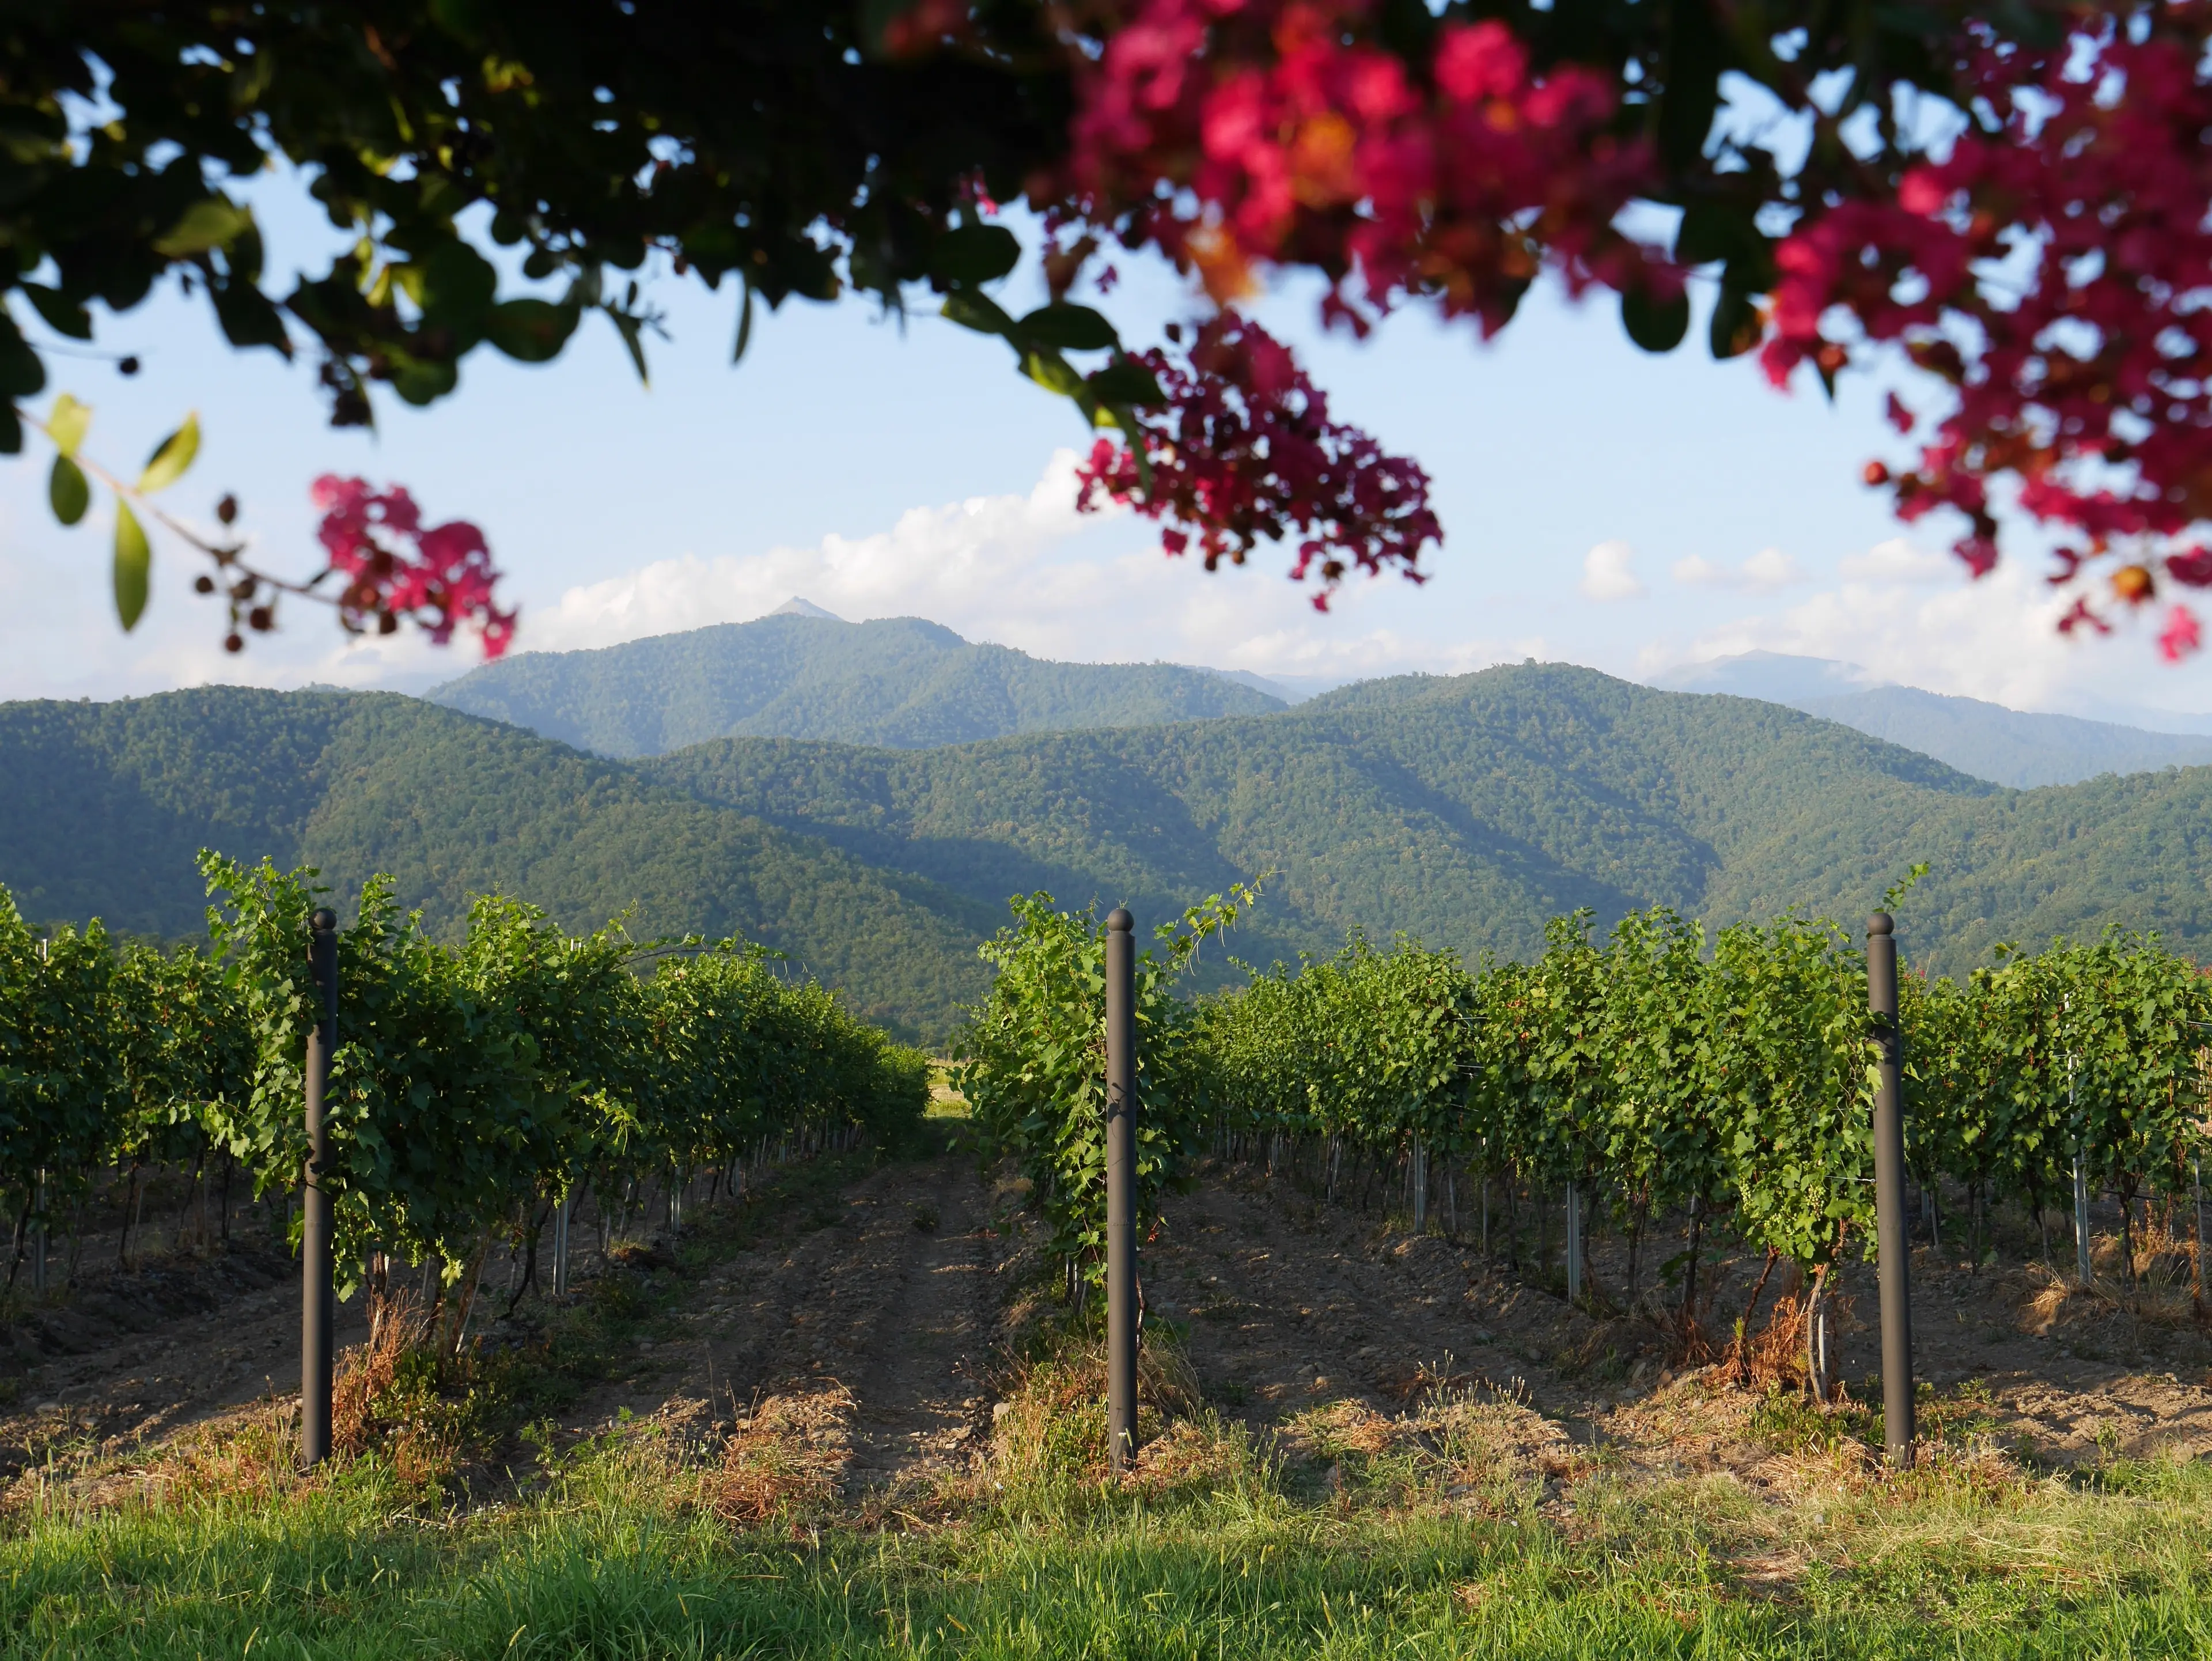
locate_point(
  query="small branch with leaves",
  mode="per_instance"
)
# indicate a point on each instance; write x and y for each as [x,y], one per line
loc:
[382,564]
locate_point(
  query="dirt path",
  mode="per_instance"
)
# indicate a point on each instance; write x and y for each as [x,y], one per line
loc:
[875,1329]
[1290,1304]
[146,1353]
[866,1317]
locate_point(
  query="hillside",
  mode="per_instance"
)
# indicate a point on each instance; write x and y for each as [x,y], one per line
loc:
[108,803]
[1468,810]
[900,682]
[1988,740]
[2008,747]
[1464,811]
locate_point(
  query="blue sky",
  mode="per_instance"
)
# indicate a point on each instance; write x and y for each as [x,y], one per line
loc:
[1600,506]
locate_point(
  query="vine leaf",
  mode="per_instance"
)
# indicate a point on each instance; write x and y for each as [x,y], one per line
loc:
[171,456]
[67,490]
[134,564]
[68,424]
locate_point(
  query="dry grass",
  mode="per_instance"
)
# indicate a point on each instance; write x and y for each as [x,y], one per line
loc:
[1049,1427]
[783,1458]
[2162,1297]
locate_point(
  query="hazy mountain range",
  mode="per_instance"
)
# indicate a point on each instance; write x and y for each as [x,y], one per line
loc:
[2005,746]
[1464,810]
[800,672]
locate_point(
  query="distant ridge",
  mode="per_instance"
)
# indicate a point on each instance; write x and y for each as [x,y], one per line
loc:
[1462,810]
[2005,746]
[801,673]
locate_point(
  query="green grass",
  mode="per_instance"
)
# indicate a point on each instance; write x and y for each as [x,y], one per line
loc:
[611,1558]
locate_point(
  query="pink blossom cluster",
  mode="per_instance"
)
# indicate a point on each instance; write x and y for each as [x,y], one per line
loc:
[1243,448]
[2054,273]
[441,576]
[1237,133]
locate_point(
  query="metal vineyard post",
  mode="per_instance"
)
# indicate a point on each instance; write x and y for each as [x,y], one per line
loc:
[561,1244]
[1574,1244]
[1120,1188]
[1892,1250]
[317,1310]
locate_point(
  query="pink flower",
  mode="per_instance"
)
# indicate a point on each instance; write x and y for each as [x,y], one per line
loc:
[2181,636]
[440,578]
[1481,61]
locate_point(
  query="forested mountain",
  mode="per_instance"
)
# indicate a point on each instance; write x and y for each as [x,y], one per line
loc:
[2008,747]
[898,682]
[1989,741]
[1464,811]
[1468,810]
[107,803]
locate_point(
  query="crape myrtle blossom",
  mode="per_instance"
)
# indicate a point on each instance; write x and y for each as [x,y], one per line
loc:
[2051,275]
[439,576]
[2050,272]
[2013,198]
[1243,448]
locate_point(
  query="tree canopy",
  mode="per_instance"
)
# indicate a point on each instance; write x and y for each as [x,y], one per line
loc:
[2013,196]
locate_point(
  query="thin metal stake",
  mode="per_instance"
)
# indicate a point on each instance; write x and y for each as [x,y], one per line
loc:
[2082,1265]
[318,1302]
[560,1244]
[2196,1187]
[1121,1189]
[1574,1244]
[1892,1249]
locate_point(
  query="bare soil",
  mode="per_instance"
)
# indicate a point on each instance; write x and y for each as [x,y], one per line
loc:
[874,1318]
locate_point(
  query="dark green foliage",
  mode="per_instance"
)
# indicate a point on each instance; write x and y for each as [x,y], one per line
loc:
[469,1086]
[109,803]
[900,682]
[1467,811]
[1033,1063]
[1462,811]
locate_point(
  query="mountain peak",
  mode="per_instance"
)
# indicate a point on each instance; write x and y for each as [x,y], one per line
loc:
[797,607]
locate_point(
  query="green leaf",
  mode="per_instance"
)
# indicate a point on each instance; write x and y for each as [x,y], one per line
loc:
[1067,328]
[210,222]
[1052,372]
[452,283]
[632,331]
[67,424]
[67,491]
[62,315]
[134,565]
[171,456]
[249,317]
[745,324]
[974,254]
[1127,382]
[979,313]
[531,331]
[21,373]
[1656,325]
[1734,327]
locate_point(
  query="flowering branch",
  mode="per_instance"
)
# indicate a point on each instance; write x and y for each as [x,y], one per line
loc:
[1243,448]
[439,577]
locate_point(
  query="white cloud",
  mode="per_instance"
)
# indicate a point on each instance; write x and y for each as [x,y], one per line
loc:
[1608,573]
[1898,561]
[1996,639]
[1026,571]
[1768,570]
